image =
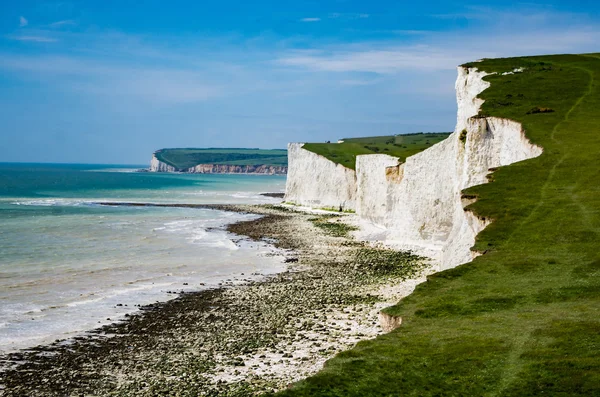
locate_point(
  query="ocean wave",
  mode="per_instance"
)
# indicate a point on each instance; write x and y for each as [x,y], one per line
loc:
[56,203]
[198,235]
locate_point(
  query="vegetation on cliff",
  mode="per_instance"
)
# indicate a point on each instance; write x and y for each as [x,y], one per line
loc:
[184,158]
[401,146]
[523,319]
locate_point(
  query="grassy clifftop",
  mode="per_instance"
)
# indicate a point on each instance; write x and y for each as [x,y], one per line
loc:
[401,146]
[185,158]
[523,319]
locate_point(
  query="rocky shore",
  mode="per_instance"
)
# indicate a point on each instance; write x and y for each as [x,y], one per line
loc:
[241,339]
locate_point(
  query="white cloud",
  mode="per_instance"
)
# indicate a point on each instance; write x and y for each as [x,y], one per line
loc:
[110,63]
[34,39]
[350,15]
[156,85]
[382,61]
[59,24]
[441,51]
[23,22]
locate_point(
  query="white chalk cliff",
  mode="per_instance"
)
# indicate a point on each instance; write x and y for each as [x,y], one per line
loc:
[418,205]
[158,166]
[317,182]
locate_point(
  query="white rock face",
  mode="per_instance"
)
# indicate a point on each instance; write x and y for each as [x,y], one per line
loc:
[469,84]
[315,181]
[237,169]
[419,206]
[158,166]
[376,178]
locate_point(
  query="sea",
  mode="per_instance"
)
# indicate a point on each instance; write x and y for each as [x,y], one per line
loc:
[69,264]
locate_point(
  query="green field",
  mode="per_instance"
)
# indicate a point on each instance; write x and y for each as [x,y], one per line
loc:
[400,146]
[185,158]
[523,319]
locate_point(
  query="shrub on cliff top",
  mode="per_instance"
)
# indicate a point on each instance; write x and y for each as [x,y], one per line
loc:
[540,110]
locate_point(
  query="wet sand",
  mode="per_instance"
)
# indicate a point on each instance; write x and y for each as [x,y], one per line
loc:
[238,339]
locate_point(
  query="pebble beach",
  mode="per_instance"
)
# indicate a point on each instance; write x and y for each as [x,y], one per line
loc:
[250,336]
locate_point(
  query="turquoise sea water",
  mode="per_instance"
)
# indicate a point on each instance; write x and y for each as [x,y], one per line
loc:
[67,264]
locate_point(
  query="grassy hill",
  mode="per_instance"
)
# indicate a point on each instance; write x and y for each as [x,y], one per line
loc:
[185,158]
[400,146]
[523,319]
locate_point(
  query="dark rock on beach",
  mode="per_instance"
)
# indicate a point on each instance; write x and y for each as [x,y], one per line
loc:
[273,195]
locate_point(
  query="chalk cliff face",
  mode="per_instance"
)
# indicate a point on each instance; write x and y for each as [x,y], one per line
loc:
[417,205]
[237,169]
[158,166]
[315,181]
[469,84]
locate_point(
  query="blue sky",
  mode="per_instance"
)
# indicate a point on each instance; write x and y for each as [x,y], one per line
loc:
[112,81]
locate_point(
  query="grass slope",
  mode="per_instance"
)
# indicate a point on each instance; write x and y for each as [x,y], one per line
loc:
[523,319]
[401,146]
[185,158]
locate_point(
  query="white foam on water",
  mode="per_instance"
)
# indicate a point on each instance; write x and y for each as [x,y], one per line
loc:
[54,202]
[83,270]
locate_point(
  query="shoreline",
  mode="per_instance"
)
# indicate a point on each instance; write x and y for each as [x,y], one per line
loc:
[252,338]
[186,250]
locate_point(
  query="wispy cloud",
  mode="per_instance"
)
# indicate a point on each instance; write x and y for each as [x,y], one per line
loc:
[383,61]
[150,84]
[23,22]
[351,15]
[441,50]
[59,24]
[34,39]
[155,86]
[150,71]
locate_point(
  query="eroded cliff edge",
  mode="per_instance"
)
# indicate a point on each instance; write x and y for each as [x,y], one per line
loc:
[418,205]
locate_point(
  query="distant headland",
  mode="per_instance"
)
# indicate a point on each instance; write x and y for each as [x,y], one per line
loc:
[220,161]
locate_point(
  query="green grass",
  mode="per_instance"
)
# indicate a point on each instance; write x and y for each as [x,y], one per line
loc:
[183,158]
[338,209]
[401,146]
[523,319]
[332,225]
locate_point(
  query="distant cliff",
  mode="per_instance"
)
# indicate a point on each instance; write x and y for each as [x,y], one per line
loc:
[220,161]
[158,166]
[237,169]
